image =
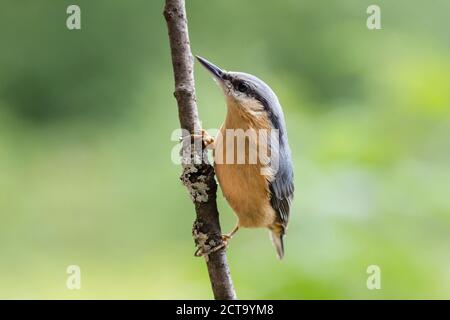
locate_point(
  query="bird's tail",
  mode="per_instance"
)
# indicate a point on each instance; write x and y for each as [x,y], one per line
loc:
[277,235]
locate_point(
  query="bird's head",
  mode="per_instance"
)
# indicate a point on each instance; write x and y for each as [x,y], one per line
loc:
[247,93]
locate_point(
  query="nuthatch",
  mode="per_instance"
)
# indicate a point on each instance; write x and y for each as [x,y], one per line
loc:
[258,200]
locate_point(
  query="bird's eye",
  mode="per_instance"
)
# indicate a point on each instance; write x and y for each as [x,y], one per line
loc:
[243,87]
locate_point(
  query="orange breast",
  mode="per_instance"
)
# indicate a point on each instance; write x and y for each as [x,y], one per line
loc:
[243,185]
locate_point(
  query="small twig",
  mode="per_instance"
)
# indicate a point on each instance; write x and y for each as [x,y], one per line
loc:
[198,177]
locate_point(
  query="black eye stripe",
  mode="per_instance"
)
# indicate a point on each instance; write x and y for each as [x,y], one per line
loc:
[241,86]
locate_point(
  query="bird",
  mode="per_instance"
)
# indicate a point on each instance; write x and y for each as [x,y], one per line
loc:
[259,199]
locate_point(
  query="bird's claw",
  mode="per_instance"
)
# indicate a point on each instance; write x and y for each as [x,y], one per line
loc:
[226,238]
[207,140]
[205,250]
[201,251]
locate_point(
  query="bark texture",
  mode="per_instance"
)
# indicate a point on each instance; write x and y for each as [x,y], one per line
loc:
[198,174]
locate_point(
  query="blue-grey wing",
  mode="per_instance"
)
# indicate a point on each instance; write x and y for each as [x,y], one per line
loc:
[282,185]
[282,190]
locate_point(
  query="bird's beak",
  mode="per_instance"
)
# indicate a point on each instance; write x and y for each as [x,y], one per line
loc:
[215,70]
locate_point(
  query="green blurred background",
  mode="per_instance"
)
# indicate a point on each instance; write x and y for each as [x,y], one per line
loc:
[86,176]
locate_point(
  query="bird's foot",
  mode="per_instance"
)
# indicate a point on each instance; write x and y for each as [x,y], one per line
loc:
[226,237]
[205,247]
[207,250]
[206,243]
[207,140]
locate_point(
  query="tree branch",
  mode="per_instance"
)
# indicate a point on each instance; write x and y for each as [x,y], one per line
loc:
[197,176]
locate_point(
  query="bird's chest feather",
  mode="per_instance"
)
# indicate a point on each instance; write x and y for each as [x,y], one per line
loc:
[243,185]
